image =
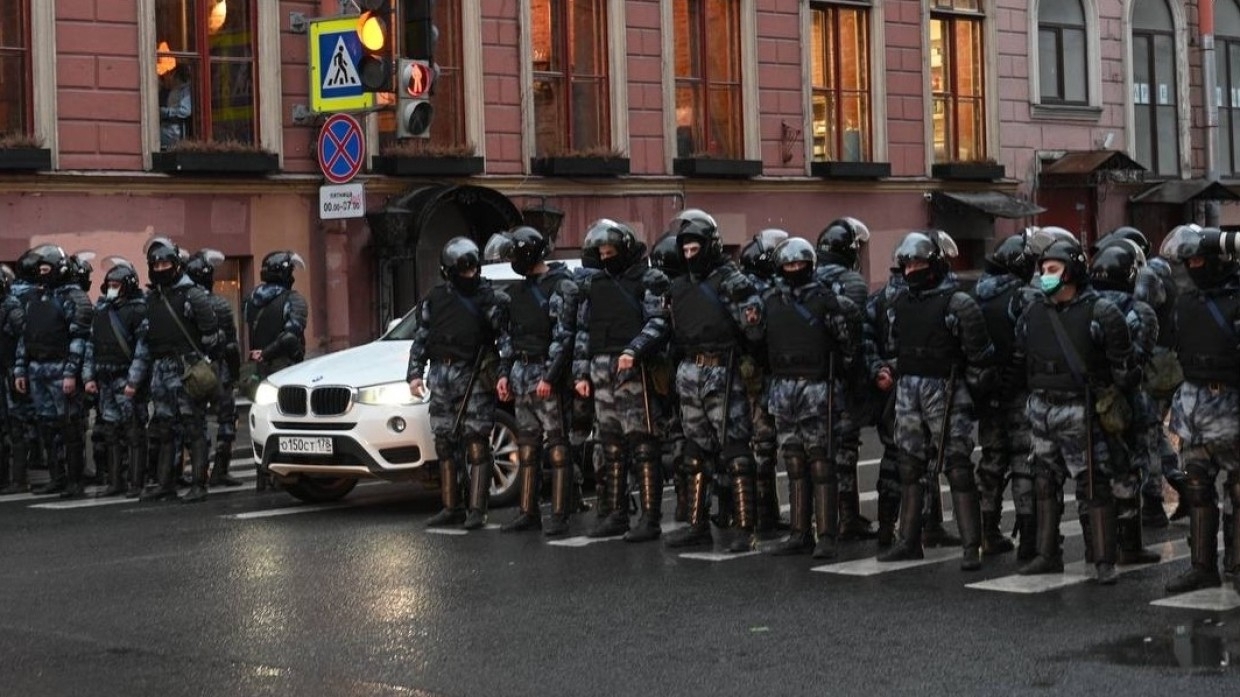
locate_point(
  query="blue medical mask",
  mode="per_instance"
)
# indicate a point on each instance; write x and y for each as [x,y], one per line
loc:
[1050,284]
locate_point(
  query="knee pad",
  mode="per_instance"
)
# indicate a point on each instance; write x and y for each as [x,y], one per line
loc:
[990,480]
[1046,486]
[821,470]
[1200,491]
[646,450]
[740,467]
[613,451]
[911,470]
[445,447]
[559,456]
[960,476]
[1102,494]
[529,438]
[817,453]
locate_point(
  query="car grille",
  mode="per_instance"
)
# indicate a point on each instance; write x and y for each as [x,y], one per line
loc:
[402,455]
[314,426]
[330,401]
[292,400]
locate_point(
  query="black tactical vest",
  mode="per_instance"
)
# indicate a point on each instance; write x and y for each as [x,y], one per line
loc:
[615,313]
[528,313]
[699,319]
[1047,365]
[798,343]
[926,348]
[267,324]
[458,326]
[1207,351]
[108,349]
[47,329]
[999,324]
[163,335]
[8,344]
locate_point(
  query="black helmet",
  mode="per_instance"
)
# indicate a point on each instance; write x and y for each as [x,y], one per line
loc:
[1198,248]
[1073,258]
[1114,267]
[758,255]
[459,255]
[80,268]
[122,272]
[1123,232]
[665,256]
[606,232]
[158,251]
[6,279]
[791,251]
[1039,238]
[934,247]
[529,249]
[58,268]
[28,266]
[697,226]
[841,240]
[278,267]
[1013,256]
[201,267]
[498,248]
[696,215]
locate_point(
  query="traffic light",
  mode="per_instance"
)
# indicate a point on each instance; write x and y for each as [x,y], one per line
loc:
[420,32]
[374,31]
[413,108]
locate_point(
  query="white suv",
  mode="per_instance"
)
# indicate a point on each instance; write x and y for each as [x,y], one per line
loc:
[325,423]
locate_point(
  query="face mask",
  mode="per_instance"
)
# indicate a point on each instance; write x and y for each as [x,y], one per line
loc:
[614,265]
[921,279]
[467,286]
[800,277]
[1050,284]
[113,293]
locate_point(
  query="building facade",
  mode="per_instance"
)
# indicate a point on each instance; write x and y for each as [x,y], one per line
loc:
[123,119]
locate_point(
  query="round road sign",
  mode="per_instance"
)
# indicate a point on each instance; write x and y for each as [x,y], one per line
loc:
[342,149]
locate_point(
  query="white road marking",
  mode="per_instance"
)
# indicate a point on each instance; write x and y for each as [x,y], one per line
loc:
[1074,573]
[1212,599]
[583,541]
[718,556]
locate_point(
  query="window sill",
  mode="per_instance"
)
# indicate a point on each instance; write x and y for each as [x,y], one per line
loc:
[579,166]
[427,166]
[215,162]
[850,170]
[26,159]
[711,167]
[1064,112]
[967,171]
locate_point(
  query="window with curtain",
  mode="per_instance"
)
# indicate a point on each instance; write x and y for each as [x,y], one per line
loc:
[1227,93]
[957,79]
[707,68]
[205,56]
[1062,69]
[569,54]
[1154,87]
[15,92]
[840,72]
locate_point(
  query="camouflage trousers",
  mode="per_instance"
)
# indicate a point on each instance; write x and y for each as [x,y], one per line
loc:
[173,412]
[764,440]
[889,463]
[849,430]
[921,405]
[623,403]
[224,405]
[1059,448]
[704,393]
[800,408]
[1164,461]
[451,388]
[45,384]
[1207,421]
[1003,433]
[537,418]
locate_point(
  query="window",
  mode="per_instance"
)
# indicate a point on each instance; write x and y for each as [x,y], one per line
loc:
[15,98]
[1154,87]
[205,59]
[569,53]
[957,81]
[1227,60]
[708,78]
[448,100]
[842,122]
[1062,69]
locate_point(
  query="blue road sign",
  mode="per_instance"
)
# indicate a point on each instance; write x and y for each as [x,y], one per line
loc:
[342,149]
[335,53]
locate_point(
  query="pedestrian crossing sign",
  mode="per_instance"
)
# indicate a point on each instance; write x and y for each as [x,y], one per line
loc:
[335,52]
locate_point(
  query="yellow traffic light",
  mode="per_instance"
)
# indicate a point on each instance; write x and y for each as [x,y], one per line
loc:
[372,31]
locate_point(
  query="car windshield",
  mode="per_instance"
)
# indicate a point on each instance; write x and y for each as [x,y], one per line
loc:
[403,331]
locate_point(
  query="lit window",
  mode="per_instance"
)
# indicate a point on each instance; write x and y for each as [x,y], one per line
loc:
[569,53]
[15,97]
[957,80]
[708,78]
[1062,69]
[205,59]
[1154,87]
[842,128]
[1227,60]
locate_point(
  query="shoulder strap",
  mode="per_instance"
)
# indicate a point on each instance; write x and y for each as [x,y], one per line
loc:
[1075,364]
[1217,314]
[624,292]
[539,296]
[114,322]
[259,315]
[184,331]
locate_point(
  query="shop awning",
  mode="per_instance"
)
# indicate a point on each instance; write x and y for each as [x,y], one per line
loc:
[992,203]
[1181,191]
[1090,161]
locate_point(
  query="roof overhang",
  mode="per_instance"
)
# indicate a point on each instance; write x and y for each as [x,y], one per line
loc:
[993,203]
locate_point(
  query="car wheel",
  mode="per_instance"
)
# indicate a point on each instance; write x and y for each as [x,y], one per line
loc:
[504,488]
[320,489]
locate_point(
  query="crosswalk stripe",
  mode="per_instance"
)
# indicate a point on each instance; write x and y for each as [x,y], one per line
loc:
[1076,572]
[1212,599]
[583,541]
[94,501]
[718,556]
[459,531]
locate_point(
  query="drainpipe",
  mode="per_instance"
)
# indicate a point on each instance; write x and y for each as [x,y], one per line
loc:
[1209,79]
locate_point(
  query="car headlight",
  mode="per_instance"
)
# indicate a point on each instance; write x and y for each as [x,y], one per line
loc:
[389,394]
[266,393]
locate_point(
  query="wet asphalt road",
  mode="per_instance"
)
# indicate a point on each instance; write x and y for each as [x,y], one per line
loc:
[257,595]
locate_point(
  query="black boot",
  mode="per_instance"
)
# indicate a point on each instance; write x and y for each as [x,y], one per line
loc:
[116,482]
[993,540]
[17,482]
[800,538]
[853,525]
[828,509]
[528,516]
[219,468]
[1128,530]
[452,513]
[697,532]
[75,462]
[912,504]
[1102,521]
[55,468]
[744,503]
[888,514]
[968,521]
[1027,533]
[1182,506]
[613,513]
[167,487]
[1049,559]
[1203,546]
[137,462]
[933,533]
[561,490]
[478,453]
[198,471]
[681,484]
[650,485]
[1153,515]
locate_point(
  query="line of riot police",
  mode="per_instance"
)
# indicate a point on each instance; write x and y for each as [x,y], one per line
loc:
[151,363]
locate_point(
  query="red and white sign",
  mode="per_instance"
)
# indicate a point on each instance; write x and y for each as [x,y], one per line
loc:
[342,148]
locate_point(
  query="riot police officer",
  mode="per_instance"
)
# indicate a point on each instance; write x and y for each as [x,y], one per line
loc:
[201,269]
[541,330]
[621,323]
[460,324]
[665,256]
[12,447]
[940,336]
[715,310]
[878,352]
[181,330]
[811,336]
[1071,341]
[839,249]
[1205,408]
[118,327]
[49,364]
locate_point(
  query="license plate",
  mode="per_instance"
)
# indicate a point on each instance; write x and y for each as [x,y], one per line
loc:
[301,445]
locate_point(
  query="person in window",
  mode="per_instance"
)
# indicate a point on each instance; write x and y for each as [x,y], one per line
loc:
[177,107]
